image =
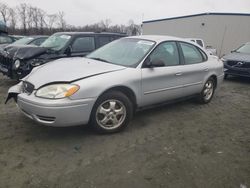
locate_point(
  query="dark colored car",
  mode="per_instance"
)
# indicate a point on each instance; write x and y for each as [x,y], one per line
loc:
[17,37]
[17,62]
[237,63]
[36,40]
[6,39]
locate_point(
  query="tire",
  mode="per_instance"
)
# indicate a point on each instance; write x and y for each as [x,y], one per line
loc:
[111,113]
[207,92]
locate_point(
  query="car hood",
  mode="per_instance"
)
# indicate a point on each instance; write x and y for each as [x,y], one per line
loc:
[237,57]
[24,51]
[69,70]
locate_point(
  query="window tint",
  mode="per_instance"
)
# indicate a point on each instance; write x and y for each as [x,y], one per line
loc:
[191,54]
[166,52]
[83,44]
[104,40]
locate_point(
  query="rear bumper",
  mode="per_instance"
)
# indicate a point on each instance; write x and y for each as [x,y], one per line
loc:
[57,113]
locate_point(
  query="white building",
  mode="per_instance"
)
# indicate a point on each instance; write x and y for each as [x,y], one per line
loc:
[223,31]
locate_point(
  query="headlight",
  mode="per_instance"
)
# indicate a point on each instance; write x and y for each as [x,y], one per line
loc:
[17,64]
[57,91]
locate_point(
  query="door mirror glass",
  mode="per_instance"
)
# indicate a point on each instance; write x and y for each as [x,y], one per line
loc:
[157,63]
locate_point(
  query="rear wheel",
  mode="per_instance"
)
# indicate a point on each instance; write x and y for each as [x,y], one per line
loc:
[208,91]
[111,112]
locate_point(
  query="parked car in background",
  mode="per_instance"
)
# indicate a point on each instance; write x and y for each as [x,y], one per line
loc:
[6,39]
[201,43]
[107,86]
[36,40]
[237,63]
[18,62]
[17,37]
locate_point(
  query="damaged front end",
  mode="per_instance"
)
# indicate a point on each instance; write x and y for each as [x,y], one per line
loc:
[14,91]
[17,62]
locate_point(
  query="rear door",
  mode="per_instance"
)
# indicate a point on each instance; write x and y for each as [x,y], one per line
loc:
[195,68]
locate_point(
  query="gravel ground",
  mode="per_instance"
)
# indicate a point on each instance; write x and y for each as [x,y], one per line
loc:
[182,145]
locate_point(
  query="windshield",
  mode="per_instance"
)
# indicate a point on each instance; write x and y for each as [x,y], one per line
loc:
[244,49]
[56,41]
[127,52]
[25,40]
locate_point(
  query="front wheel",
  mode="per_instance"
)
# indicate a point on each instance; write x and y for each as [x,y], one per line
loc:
[111,112]
[207,92]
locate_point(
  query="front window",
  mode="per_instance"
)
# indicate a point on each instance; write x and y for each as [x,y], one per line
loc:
[56,42]
[167,53]
[244,49]
[25,40]
[126,52]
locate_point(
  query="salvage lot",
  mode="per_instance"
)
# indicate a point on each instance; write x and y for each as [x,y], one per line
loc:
[177,145]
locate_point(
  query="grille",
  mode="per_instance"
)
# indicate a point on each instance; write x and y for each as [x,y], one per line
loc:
[6,61]
[239,64]
[28,87]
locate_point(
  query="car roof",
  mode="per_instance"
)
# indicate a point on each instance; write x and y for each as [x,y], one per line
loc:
[158,38]
[37,36]
[91,33]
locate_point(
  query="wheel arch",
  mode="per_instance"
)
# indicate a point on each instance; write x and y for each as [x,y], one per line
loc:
[214,77]
[126,91]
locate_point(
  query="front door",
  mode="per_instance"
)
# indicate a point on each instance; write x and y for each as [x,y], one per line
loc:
[162,83]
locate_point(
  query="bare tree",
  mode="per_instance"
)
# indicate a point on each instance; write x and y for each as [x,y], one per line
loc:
[30,13]
[4,10]
[104,24]
[42,22]
[22,10]
[12,18]
[132,28]
[61,21]
[52,18]
[35,17]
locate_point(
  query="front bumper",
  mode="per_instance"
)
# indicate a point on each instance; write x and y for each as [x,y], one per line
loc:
[57,113]
[236,71]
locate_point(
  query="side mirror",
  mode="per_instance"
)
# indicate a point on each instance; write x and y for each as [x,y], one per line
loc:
[68,51]
[154,63]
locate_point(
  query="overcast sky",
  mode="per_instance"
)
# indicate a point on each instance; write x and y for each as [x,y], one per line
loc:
[82,12]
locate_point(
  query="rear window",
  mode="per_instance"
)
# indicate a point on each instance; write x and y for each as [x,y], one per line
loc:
[191,54]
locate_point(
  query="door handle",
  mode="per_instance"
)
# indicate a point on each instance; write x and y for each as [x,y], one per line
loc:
[206,69]
[178,74]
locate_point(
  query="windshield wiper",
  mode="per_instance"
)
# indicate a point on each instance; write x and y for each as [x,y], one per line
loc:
[100,59]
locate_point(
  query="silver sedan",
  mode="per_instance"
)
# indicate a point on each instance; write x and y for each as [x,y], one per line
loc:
[110,84]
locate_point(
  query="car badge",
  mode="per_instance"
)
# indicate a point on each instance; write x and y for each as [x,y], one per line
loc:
[240,63]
